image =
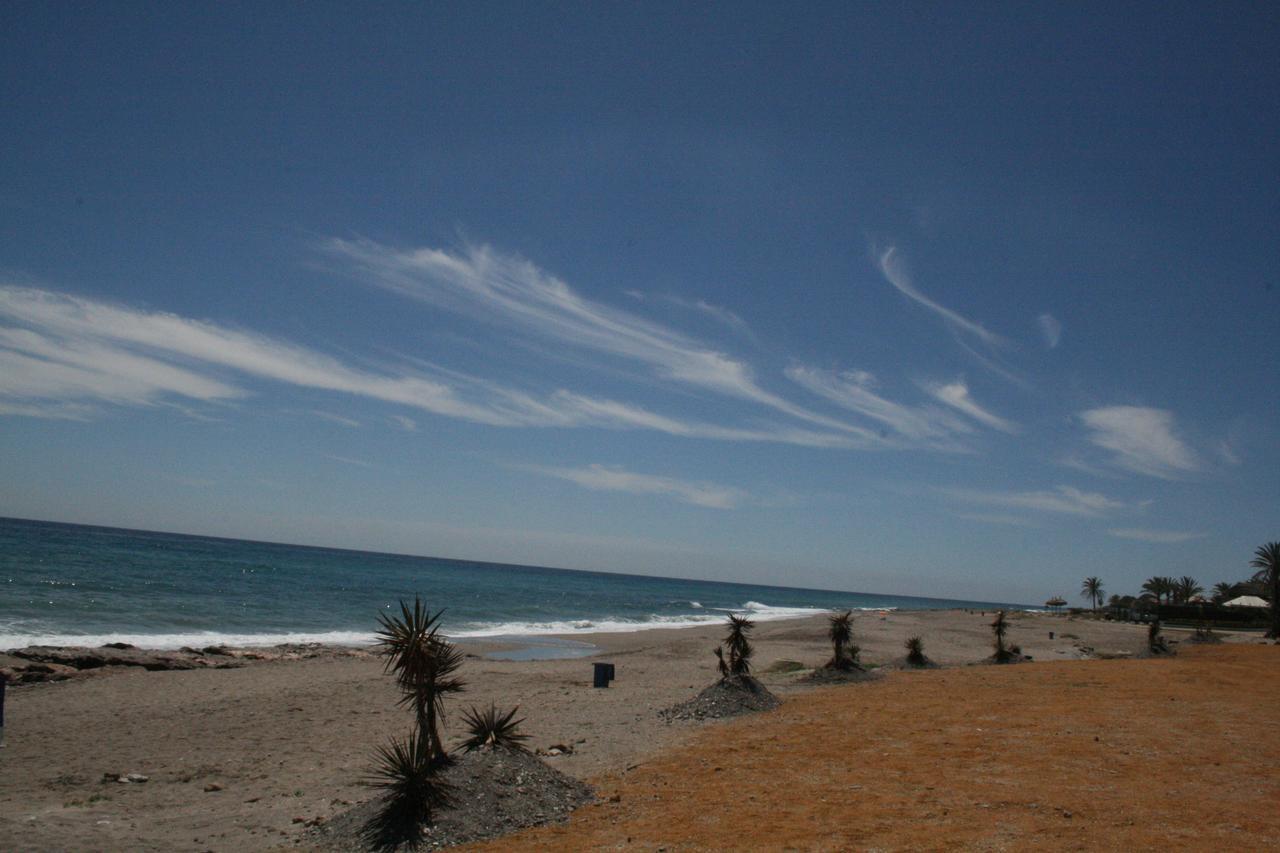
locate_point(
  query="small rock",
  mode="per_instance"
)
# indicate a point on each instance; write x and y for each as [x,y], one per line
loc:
[299,819]
[616,798]
[211,787]
[135,777]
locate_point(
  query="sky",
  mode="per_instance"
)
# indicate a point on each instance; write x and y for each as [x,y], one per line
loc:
[931,299]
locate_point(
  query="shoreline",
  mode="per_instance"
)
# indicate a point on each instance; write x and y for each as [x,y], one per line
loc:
[29,665]
[351,639]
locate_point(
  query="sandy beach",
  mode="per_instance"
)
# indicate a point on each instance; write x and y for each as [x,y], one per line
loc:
[248,757]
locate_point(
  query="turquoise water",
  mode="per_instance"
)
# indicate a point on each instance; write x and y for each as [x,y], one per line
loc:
[64,584]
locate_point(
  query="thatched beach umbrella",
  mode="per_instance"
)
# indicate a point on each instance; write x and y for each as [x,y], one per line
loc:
[1055,602]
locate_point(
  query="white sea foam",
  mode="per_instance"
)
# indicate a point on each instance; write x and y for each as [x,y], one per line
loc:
[13,636]
[198,639]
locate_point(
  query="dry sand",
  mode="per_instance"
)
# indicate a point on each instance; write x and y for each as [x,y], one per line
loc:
[243,758]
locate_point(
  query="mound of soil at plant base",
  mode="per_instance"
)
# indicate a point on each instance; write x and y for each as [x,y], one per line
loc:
[1207,637]
[831,675]
[1165,651]
[906,663]
[494,792]
[1011,657]
[728,697]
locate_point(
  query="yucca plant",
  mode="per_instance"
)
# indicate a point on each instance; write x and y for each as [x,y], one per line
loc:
[492,728]
[410,777]
[1000,628]
[721,663]
[844,654]
[737,648]
[915,652]
[424,664]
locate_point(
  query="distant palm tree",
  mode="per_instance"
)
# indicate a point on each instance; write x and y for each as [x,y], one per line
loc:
[1157,586]
[844,655]
[1266,559]
[1186,588]
[1222,591]
[1092,590]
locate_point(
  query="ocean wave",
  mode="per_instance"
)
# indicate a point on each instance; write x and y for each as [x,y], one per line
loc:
[14,635]
[197,639]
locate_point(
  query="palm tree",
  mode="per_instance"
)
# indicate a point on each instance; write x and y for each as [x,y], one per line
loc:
[1222,591]
[1157,586]
[737,661]
[844,655]
[1186,588]
[1092,590]
[1266,559]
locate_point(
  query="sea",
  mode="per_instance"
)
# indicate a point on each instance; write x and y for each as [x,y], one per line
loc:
[70,584]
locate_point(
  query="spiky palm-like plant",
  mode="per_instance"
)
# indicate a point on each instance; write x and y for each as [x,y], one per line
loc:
[844,654]
[721,663]
[1222,591]
[410,777]
[1000,628]
[493,728]
[915,652]
[1266,559]
[737,648]
[424,664]
[1092,590]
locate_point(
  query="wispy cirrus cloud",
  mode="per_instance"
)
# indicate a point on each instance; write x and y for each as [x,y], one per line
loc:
[894,269]
[1142,440]
[62,355]
[1050,330]
[351,423]
[511,292]
[719,313]
[956,394]
[1062,499]
[616,479]
[854,390]
[1157,537]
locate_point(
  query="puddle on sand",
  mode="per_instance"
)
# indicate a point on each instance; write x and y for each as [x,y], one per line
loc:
[540,648]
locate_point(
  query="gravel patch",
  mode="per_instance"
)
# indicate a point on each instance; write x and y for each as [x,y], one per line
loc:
[495,791]
[728,697]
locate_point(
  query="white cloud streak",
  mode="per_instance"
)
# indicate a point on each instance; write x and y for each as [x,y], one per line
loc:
[1063,499]
[956,394]
[895,272]
[1050,330]
[336,419]
[64,354]
[616,479]
[1141,440]
[854,390]
[1157,537]
[511,292]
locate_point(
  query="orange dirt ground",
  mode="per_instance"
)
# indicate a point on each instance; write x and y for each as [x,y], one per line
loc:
[1176,753]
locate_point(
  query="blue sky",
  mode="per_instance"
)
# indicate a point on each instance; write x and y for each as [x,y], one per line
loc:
[916,298]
